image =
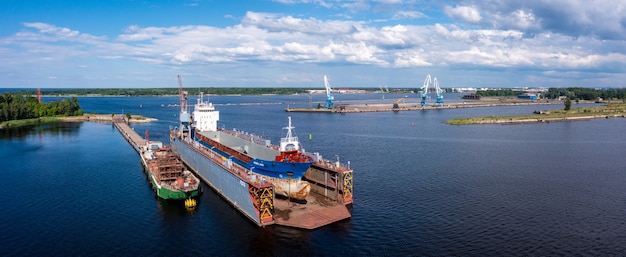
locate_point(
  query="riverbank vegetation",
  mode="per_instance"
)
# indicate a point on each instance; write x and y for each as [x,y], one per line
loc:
[17,107]
[580,93]
[572,93]
[161,91]
[614,111]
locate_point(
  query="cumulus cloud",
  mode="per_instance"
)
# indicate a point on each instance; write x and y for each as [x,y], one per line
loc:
[408,15]
[466,13]
[498,39]
[604,19]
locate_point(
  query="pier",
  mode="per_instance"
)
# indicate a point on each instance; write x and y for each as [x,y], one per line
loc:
[411,105]
[133,138]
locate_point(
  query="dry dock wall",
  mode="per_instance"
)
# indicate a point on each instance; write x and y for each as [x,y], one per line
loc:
[229,186]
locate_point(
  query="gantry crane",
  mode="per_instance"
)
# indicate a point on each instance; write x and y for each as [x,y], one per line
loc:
[329,95]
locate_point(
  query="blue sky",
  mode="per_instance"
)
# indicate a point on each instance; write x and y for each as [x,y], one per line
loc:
[294,43]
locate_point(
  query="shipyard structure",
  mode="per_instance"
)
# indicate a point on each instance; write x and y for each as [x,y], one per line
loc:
[269,184]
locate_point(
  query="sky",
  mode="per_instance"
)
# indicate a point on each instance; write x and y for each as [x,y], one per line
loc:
[294,43]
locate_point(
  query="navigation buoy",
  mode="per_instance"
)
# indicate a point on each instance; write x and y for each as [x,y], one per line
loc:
[190,203]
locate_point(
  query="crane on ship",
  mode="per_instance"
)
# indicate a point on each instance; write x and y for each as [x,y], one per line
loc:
[439,91]
[184,116]
[424,88]
[329,95]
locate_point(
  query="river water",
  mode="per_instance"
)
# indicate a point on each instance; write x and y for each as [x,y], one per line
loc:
[421,187]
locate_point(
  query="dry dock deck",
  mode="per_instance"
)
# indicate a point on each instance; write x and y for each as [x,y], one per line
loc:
[317,212]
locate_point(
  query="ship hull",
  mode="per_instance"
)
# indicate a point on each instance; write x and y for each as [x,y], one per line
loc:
[280,170]
[228,185]
[166,193]
[252,155]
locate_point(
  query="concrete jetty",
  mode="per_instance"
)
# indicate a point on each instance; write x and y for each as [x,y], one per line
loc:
[133,138]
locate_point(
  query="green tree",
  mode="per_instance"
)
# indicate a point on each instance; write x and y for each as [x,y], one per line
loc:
[568,104]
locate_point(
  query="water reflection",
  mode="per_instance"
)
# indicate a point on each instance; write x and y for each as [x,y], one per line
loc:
[61,128]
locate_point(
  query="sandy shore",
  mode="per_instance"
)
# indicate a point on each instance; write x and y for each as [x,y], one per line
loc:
[547,120]
[107,118]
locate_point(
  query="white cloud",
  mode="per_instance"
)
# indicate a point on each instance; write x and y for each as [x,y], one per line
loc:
[605,19]
[411,58]
[408,15]
[468,14]
[285,42]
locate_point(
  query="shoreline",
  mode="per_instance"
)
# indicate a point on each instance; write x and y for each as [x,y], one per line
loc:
[83,118]
[576,114]
[512,121]
[107,118]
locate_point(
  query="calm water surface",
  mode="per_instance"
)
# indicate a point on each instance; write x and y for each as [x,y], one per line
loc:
[421,187]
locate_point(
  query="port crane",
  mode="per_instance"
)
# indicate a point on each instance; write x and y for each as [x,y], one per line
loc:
[439,91]
[329,95]
[424,88]
[396,104]
[184,116]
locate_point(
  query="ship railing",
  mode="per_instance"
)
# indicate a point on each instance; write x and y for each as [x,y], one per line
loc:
[332,165]
[232,167]
[288,139]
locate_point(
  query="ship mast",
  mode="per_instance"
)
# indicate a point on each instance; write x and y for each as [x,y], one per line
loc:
[289,142]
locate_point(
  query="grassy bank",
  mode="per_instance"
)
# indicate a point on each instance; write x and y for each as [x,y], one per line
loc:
[29,122]
[85,117]
[583,113]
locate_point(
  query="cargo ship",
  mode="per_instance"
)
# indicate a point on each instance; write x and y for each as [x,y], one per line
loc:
[283,165]
[167,174]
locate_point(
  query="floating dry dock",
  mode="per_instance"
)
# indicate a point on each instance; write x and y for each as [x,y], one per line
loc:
[328,202]
[331,189]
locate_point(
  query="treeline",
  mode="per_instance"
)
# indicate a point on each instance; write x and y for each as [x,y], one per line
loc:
[164,91]
[573,93]
[16,107]
[499,92]
[580,93]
